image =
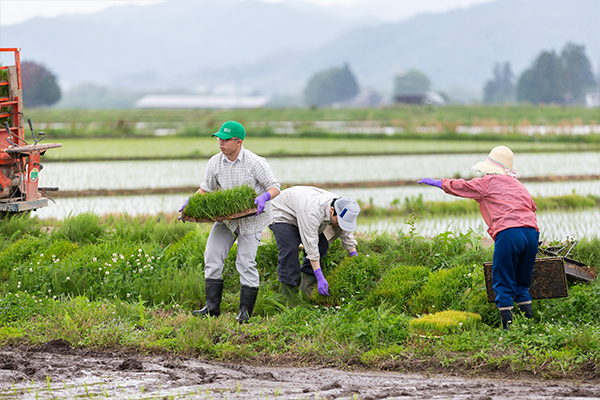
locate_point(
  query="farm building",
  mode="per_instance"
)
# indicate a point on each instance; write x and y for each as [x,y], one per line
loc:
[201,101]
[419,98]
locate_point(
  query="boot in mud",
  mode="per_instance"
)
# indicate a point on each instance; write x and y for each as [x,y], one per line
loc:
[307,282]
[507,319]
[526,309]
[247,300]
[214,292]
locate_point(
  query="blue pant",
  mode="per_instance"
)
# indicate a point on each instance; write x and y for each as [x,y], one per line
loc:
[514,255]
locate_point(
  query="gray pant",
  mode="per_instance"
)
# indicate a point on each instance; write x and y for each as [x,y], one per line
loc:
[218,245]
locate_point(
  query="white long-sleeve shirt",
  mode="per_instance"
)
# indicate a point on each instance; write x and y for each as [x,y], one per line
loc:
[308,208]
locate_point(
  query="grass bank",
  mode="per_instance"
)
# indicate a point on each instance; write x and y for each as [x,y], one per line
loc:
[416,205]
[393,116]
[162,148]
[131,283]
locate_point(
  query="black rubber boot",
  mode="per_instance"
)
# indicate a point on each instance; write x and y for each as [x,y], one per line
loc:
[247,299]
[507,318]
[214,292]
[527,310]
[307,282]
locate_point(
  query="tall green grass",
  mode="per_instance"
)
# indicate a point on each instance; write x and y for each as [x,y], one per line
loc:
[124,282]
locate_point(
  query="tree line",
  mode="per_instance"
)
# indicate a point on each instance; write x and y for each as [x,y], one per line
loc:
[562,78]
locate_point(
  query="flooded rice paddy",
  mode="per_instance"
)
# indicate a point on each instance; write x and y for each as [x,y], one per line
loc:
[555,225]
[304,170]
[317,170]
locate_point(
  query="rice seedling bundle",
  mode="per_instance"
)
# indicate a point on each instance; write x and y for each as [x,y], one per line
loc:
[220,205]
[444,322]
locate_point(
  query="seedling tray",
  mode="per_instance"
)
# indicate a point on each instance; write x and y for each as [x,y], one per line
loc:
[229,217]
[547,281]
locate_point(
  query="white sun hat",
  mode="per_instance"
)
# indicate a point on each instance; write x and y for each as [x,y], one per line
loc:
[498,162]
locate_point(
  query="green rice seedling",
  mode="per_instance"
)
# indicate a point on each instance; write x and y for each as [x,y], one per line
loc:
[444,322]
[81,228]
[444,290]
[220,203]
[397,286]
[352,278]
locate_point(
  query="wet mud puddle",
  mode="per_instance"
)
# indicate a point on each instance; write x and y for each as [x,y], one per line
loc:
[55,372]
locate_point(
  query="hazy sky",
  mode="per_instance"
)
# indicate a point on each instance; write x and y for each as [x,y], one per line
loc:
[16,11]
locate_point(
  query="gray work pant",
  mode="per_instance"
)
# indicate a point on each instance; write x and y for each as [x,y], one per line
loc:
[218,245]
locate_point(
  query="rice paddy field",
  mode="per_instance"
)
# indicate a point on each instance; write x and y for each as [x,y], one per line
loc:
[346,151]
[361,170]
[119,275]
[310,170]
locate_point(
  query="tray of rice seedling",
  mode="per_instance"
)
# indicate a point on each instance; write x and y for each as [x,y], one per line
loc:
[220,205]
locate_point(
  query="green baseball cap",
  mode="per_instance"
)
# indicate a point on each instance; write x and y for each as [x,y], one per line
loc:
[231,129]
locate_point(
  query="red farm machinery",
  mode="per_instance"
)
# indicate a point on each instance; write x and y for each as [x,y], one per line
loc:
[19,160]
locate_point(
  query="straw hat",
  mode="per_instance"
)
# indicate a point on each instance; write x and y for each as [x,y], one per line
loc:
[499,162]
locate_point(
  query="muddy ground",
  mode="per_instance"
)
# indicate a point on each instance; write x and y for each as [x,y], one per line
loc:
[57,371]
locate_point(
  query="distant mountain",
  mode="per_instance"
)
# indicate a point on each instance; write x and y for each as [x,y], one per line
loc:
[457,48]
[149,45]
[276,47]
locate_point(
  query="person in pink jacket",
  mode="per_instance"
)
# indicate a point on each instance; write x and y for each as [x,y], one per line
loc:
[509,211]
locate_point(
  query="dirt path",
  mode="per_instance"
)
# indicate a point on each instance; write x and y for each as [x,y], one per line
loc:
[56,371]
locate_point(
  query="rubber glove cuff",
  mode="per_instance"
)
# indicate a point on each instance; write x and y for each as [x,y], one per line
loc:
[353,254]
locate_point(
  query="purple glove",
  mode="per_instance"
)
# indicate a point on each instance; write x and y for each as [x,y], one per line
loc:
[322,285]
[261,200]
[353,254]
[431,182]
[184,204]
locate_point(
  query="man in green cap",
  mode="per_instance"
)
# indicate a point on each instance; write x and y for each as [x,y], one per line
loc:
[235,166]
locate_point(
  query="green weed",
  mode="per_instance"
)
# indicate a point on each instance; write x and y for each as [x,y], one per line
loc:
[82,228]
